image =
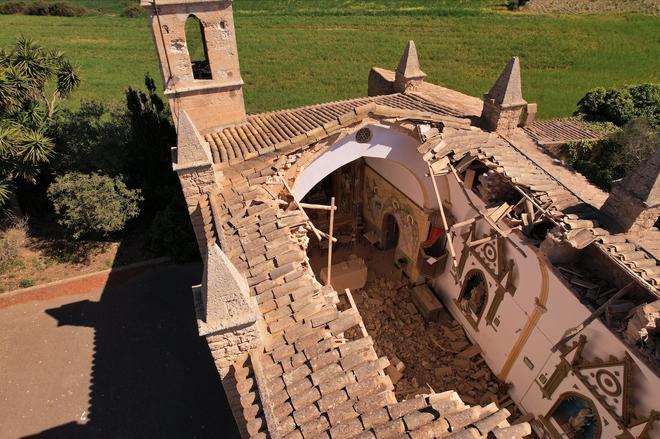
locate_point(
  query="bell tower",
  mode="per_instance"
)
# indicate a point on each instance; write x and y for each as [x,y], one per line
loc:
[196,44]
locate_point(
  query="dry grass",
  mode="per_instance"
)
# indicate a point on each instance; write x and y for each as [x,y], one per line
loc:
[12,239]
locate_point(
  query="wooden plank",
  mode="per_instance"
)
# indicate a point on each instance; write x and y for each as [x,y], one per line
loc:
[470,174]
[354,306]
[500,211]
[602,309]
[444,217]
[481,241]
[332,224]
[467,222]
[316,206]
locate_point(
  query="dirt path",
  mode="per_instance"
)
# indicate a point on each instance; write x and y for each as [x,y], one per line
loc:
[647,7]
[124,362]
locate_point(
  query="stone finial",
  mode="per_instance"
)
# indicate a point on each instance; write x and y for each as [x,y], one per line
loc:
[192,149]
[225,293]
[507,90]
[634,202]
[409,72]
[504,104]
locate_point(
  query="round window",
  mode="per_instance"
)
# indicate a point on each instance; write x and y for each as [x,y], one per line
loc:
[363,135]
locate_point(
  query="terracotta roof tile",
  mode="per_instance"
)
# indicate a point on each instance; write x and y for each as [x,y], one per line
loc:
[312,381]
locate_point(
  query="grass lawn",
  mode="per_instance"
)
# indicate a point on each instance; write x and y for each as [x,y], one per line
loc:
[299,52]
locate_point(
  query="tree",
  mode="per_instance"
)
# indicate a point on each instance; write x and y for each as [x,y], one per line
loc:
[33,80]
[612,158]
[622,106]
[151,137]
[90,204]
[92,138]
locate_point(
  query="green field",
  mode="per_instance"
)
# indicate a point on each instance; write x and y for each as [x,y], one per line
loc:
[306,51]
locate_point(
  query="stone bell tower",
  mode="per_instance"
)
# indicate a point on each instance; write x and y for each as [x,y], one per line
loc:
[206,84]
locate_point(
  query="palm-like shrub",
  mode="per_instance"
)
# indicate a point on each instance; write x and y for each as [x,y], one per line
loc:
[33,80]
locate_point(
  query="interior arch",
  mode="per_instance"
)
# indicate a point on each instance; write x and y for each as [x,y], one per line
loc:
[389,152]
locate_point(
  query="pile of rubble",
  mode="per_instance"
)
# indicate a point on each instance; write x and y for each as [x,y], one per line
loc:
[595,292]
[422,354]
[637,323]
[642,328]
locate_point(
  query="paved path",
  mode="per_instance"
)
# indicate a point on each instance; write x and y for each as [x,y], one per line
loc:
[124,362]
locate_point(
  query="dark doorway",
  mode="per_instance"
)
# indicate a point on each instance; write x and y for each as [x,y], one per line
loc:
[391,229]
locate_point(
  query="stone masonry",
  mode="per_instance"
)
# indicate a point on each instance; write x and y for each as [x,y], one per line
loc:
[634,203]
[210,102]
[193,164]
[504,104]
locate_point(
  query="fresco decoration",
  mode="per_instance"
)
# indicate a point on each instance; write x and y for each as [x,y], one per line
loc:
[374,210]
[573,415]
[474,297]
[409,235]
[382,199]
[568,356]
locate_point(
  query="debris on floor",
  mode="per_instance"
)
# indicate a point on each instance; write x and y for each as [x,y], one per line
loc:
[436,354]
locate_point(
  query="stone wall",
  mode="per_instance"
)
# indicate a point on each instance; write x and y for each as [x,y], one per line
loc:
[381,82]
[501,119]
[227,346]
[210,102]
[196,182]
[628,212]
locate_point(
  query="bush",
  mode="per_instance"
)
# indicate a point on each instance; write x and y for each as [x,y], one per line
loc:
[613,158]
[133,11]
[60,9]
[12,8]
[90,139]
[622,106]
[636,142]
[92,204]
[171,233]
[647,102]
[26,283]
[514,5]
[11,240]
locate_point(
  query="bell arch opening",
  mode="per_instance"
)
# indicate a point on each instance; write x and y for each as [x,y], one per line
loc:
[197,49]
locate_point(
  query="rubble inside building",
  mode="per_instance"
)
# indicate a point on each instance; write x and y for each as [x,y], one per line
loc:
[411,263]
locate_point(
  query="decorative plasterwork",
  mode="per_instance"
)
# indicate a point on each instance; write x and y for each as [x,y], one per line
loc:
[608,381]
[567,358]
[492,258]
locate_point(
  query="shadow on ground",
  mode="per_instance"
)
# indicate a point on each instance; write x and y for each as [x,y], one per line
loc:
[152,375]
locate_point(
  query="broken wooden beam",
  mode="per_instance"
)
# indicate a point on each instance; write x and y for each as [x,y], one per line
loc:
[572,332]
[450,244]
[316,206]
